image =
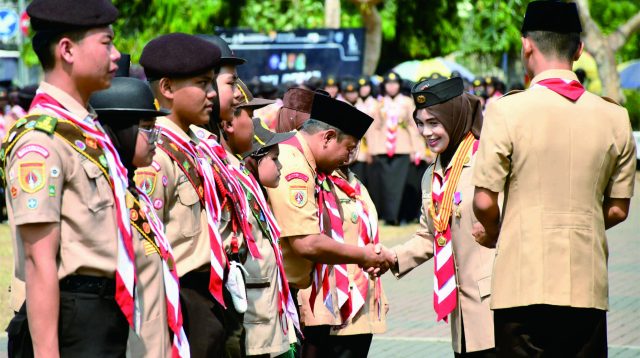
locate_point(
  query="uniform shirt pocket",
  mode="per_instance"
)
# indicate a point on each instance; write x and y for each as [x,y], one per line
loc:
[102,194]
[259,295]
[190,222]
[484,287]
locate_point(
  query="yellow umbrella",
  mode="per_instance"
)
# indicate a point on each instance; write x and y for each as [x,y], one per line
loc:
[590,67]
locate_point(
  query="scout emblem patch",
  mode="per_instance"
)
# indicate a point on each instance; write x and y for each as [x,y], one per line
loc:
[146,180]
[298,195]
[32,176]
[32,203]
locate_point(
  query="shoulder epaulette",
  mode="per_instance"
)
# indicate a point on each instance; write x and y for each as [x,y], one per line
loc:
[608,99]
[46,124]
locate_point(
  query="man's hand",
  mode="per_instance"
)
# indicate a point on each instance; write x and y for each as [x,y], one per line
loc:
[486,209]
[481,237]
[385,256]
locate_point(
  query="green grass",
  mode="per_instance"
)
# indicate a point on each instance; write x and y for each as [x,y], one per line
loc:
[6,267]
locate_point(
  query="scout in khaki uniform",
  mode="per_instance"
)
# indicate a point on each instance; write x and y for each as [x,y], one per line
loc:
[180,69]
[127,112]
[271,317]
[394,145]
[565,159]
[322,145]
[62,209]
[367,314]
[451,120]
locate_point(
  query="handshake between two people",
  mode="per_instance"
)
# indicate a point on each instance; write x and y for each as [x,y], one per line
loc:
[378,259]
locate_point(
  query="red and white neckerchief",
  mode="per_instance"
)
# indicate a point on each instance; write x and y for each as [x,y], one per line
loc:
[286,305]
[327,200]
[391,124]
[367,234]
[442,195]
[212,210]
[125,270]
[229,189]
[180,347]
[570,89]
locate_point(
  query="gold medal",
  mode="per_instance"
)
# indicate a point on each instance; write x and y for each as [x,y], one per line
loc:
[442,241]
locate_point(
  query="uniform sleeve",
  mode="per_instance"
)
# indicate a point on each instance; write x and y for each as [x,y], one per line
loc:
[622,180]
[493,161]
[419,248]
[293,201]
[158,180]
[35,179]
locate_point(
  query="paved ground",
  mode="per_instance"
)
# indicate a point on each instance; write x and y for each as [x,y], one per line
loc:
[413,332]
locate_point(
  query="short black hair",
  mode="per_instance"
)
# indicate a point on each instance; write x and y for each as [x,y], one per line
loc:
[46,54]
[313,126]
[553,44]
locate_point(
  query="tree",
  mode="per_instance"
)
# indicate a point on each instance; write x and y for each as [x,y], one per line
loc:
[332,14]
[604,47]
[373,33]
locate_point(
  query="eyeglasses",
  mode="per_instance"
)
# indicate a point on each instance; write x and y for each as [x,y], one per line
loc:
[152,134]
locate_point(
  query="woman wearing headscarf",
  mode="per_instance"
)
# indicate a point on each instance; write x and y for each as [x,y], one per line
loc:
[450,121]
[127,113]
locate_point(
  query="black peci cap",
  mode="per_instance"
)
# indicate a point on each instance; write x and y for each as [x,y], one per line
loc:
[178,55]
[127,99]
[434,91]
[340,114]
[263,137]
[68,15]
[227,56]
[552,16]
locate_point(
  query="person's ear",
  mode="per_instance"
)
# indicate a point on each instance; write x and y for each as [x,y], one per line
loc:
[328,135]
[227,126]
[576,56]
[165,85]
[527,47]
[66,49]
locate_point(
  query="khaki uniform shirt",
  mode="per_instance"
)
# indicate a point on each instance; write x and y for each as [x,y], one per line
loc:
[264,334]
[473,263]
[555,160]
[178,206]
[225,227]
[408,140]
[154,339]
[294,206]
[50,182]
[366,321]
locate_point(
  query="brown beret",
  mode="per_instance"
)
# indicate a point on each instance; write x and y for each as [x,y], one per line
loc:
[65,15]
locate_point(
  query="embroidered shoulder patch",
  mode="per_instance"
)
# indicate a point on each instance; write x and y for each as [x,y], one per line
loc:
[298,195]
[146,180]
[297,175]
[31,176]
[33,148]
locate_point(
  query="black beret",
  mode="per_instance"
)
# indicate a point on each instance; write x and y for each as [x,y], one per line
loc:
[340,114]
[553,16]
[65,15]
[434,91]
[392,77]
[178,55]
[364,81]
[349,84]
[127,99]
[227,56]
[331,80]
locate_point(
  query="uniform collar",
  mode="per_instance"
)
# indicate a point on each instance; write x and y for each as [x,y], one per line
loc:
[69,103]
[307,152]
[545,75]
[166,122]
[198,133]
